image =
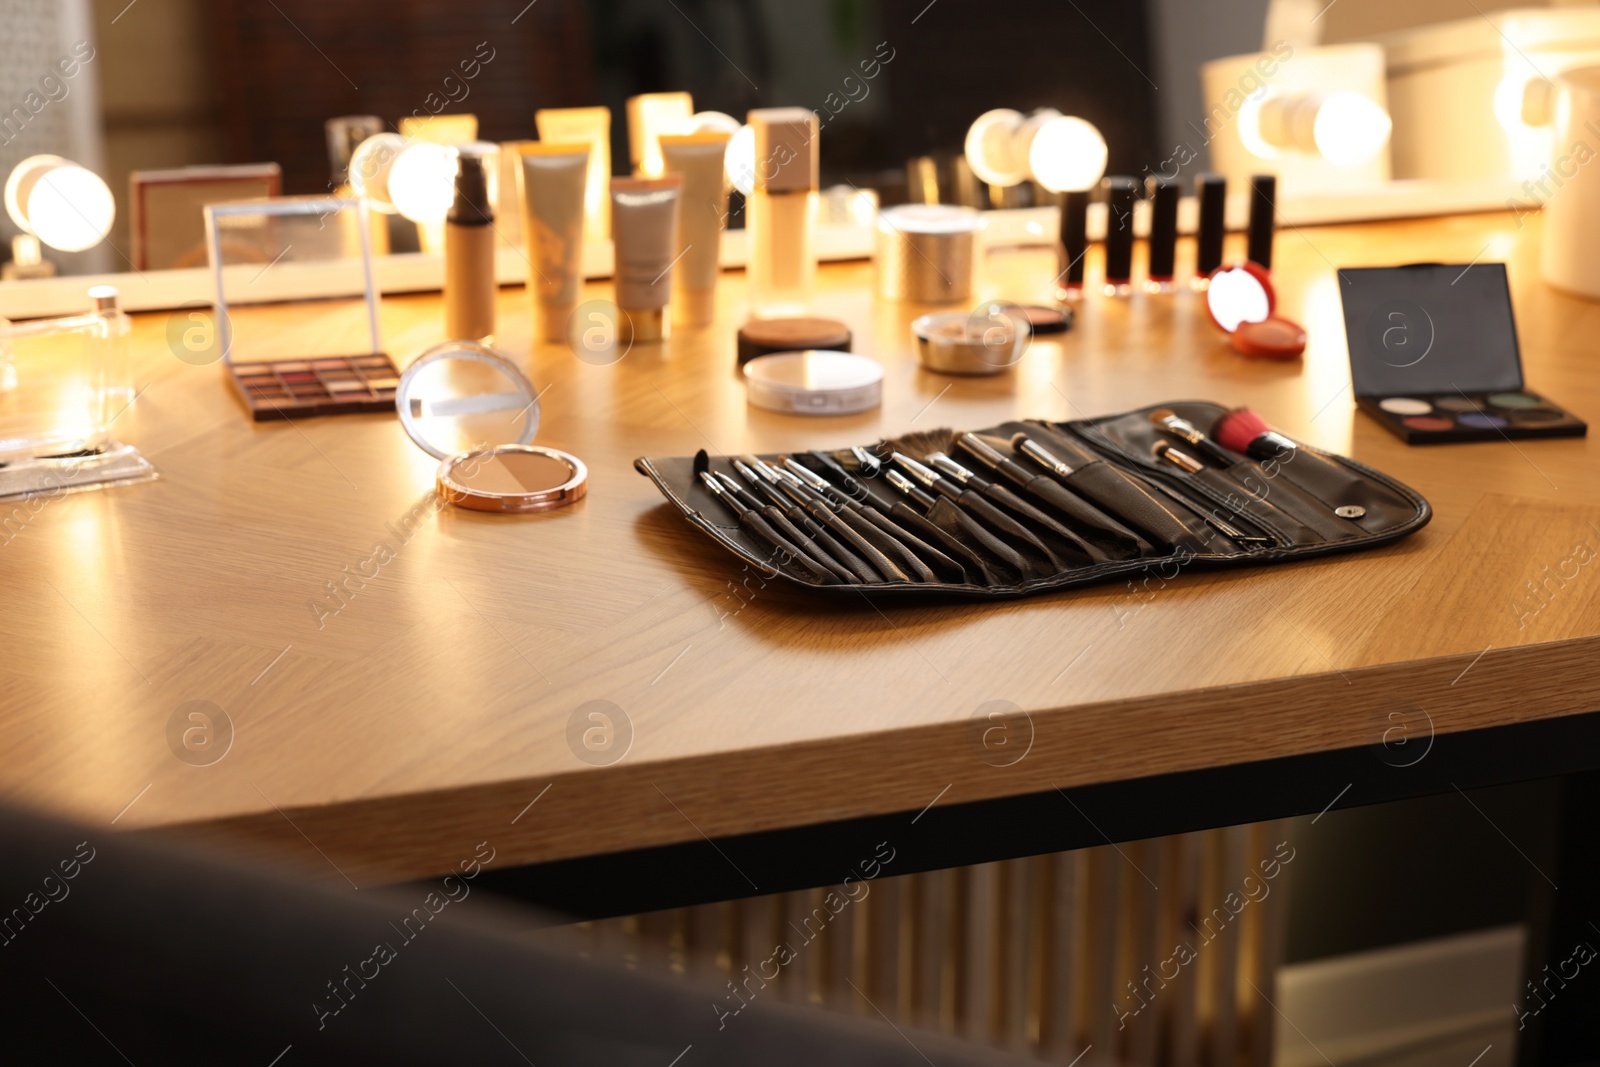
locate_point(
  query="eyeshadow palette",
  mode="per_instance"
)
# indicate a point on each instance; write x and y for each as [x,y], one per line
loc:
[1434,355]
[328,385]
[1420,420]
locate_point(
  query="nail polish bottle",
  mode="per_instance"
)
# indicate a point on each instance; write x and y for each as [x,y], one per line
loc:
[1211,190]
[1163,241]
[1263,226]
[1120,193]
[1074,246]
[469,285]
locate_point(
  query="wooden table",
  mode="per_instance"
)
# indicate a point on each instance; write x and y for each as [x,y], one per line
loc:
[432,712]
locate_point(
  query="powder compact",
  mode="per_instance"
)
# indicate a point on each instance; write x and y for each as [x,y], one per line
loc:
[761,337]
[1434,355]
[469,407]
[814,383]
[1241,301]
[986,341]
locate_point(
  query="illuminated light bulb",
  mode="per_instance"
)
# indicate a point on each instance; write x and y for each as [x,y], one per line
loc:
[1345,128]
[1350,128]
[713,122]
[1067,155]
[370,164]
[422,181]
[739,160]
[64,205]
[649,116]
[989,147]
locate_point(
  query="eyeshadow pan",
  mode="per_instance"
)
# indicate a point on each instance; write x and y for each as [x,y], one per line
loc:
[1540,414]
[1428,422]
[1457,403]
[292,365]
[1481,421]
[1405,405]
[1514,400]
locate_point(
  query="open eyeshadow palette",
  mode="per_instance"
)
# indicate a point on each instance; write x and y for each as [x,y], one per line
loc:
[1031,506]
[329,385]
[1434,355]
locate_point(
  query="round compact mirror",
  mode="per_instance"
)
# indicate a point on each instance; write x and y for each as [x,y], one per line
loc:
[1240,300]
[469,407]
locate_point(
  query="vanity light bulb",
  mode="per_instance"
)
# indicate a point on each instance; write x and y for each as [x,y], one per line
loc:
[1067,155]
[422,181]
[713,122]
[1350,128]
[989,149]
[739,160]
[370,164]
[70,208]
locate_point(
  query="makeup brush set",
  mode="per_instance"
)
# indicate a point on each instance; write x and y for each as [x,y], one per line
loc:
[1030,506]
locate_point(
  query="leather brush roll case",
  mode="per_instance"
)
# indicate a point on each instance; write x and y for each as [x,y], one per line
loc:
[1030,506]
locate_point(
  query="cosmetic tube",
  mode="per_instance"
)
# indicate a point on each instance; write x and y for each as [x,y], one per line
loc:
[554,179]
[644,214]
[697,159]
[782,213]
[469,283]
[591,126]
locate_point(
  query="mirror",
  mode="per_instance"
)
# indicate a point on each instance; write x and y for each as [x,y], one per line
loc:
[136,93]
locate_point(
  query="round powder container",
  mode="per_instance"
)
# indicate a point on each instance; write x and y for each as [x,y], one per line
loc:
[1271,338]
[927,253]
[760,337]
[814,383]
[1042,319]
[472,409]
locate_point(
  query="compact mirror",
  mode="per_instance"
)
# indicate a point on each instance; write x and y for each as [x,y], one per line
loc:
[469,407]
[1240,300]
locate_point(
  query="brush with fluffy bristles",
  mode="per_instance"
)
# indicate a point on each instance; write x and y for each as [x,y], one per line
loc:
[1244,431]
[918,445]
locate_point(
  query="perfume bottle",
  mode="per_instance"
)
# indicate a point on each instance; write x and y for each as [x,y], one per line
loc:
[469,285]
[782,215]
[112,372]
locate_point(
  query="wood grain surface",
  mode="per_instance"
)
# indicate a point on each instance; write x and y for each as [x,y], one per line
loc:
[384,741]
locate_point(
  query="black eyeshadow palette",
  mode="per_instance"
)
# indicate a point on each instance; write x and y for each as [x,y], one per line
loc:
[327,385]
[1434,355]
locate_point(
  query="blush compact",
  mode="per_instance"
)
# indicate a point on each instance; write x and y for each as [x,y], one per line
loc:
[1242,302]
[472,409]
[1434,355]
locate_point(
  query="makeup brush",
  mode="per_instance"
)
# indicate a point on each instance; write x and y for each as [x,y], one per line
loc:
[1178,426]
[1244,431]
[751,520]
[1182,460]
[904,484]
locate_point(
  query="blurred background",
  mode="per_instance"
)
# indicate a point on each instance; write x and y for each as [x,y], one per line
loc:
[175,83]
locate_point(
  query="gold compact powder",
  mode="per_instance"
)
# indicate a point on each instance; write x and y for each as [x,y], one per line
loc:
[513,478]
